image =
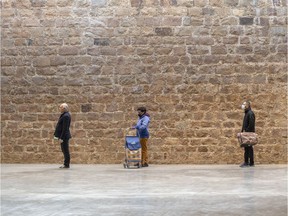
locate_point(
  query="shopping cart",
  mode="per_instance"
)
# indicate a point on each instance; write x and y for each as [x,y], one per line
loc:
[132,151]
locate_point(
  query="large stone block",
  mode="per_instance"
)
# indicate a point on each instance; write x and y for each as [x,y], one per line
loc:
[41,62]
[68,50]
[171,21]
[101,41]
[278,31]
[21,4]
[31,23]
[57,60]
[164,31]
[136,3]
[145,51]
[38,3]
[65,3]
[246,20]
[198,50]
[232,3]
[216,3]
[244,50]
[107,51]
[218,50]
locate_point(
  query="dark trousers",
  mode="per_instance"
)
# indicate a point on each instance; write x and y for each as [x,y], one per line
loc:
[249,155]
[65,150]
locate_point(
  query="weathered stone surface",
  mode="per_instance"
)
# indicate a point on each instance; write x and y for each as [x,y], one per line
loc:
[215,50]
[86,108]
[101,41]
[246,20]
[108,51]
[197,50]
[230,40]
[163,31]
[278,31]
[136,3]
[244,50]
[232,3]
[57,60]
[41,62]
[191,63]
[68,50]
[31,23]
[38,3]
[208,11]
[171,21]
[145,51]
[186,21]
[204,40]
[236,30]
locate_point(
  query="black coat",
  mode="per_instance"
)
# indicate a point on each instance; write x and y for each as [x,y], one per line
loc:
[62,130]
[249,121]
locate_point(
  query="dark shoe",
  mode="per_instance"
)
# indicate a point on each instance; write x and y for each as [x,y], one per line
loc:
[137,164]
[252,165]
[145,165]
[64,167]
[244,165]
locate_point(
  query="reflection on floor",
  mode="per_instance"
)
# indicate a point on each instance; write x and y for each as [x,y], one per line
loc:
[159,190]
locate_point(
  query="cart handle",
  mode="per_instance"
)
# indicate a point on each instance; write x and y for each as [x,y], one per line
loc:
[128,130]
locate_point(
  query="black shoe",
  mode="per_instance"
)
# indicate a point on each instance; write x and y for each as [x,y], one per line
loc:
[137,164]
[145,165]
[244,165]
[252,165]
[64,167]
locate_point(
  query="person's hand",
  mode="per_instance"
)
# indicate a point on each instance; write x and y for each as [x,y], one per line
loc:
[60,140]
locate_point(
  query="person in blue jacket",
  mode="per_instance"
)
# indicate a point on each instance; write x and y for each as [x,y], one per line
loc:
[143,133]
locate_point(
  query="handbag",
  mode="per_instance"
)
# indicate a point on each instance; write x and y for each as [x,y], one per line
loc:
[247,139]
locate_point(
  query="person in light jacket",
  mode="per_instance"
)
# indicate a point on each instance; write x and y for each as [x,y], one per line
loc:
[143,133]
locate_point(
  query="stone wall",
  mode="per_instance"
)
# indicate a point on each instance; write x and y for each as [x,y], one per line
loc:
[190,62]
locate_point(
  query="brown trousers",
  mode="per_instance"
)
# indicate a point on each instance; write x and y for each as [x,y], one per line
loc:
[144,156]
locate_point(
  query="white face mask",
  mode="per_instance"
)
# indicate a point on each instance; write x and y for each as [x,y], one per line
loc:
[243,106]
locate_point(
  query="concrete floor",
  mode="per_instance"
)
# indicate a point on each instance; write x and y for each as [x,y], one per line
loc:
[159,190]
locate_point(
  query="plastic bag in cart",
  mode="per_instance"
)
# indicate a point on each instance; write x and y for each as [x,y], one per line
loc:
[133,143]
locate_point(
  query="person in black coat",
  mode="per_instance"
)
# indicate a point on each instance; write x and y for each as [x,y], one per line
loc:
[248,126]
[62,133]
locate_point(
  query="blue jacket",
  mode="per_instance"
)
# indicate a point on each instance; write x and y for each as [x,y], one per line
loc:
[142,126]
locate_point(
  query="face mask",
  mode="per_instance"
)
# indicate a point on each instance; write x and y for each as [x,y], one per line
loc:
[243,106]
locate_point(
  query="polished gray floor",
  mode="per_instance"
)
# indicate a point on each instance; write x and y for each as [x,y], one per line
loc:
[159,190]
